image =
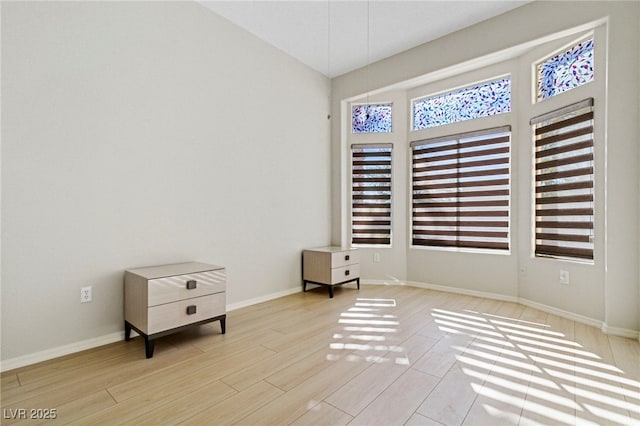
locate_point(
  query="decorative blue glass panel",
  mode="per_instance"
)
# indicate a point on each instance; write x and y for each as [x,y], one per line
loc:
[566,71]
[371,118]
[483,100]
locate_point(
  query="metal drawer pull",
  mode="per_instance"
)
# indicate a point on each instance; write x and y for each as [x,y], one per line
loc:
[191,309]
[346,272]
[346,257]
[191,284]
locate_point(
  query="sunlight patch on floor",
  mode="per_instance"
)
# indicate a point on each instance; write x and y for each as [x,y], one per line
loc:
[542,374]
[365,327]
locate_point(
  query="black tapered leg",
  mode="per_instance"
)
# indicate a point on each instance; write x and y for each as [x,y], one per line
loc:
[127,331]
[148,346]
[304,286]
[358,281]
[331,291]
[223,325]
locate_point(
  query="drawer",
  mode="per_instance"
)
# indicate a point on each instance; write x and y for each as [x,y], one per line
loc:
[172,315]
[343,258]
[174,288]
[350,272]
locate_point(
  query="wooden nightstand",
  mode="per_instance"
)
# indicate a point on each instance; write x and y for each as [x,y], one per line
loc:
[330,266]
[162,300]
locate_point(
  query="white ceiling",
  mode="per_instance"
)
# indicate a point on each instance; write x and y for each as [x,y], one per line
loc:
[335,37]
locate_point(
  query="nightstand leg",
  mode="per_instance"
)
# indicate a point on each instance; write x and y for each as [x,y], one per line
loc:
[148,346]
[358,281]
[223,325]
[304,286]
[127,331]
[331,292]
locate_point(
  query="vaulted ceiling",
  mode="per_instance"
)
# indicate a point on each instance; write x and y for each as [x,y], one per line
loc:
[335,37]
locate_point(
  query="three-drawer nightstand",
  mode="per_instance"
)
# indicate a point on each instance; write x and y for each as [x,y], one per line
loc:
[162,300]
[330,266]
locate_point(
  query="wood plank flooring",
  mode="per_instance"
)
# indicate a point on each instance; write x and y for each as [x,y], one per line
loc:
[383,355]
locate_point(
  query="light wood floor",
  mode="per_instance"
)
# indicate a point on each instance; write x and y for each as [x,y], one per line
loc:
[386,355]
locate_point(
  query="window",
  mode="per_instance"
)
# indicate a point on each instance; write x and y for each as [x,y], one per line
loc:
[461,190]
[371,118]
[371,194]
[491,98]
[566,71]
[564,182]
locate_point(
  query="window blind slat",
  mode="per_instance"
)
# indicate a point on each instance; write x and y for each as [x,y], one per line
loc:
[565,225]
[564,148]
[463,204]
[468,164]
[564,123]
[563,136]
[563,237]
[564,187]
[456,233]
[564,161]
[495,182]
[586,254]
[460,175]
[460,244]
[457,213]
[585,171]
[491,193]
[565,212]
[582,198]
[485,224]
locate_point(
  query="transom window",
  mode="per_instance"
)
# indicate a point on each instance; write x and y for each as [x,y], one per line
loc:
[371,118]
[482,100]
[566,71]
[461,190]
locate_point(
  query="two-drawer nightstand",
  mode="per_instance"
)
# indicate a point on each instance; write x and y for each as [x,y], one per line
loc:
[330,266]
[162,300]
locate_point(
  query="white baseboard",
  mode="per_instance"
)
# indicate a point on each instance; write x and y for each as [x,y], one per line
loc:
[264,298]
[615,331]
[561,313]
[21,361]
[621,332]
[444,288]
[466,292]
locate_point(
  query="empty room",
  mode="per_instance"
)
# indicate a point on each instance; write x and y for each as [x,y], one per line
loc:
[322,212]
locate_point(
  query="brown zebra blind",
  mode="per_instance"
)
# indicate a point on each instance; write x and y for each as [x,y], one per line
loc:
[460,186]
[564,182]
[371,194]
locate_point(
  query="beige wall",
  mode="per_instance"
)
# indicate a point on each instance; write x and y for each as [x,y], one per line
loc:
[606,293]
[142,133]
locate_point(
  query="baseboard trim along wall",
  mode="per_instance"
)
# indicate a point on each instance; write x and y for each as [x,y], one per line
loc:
[71,348]
[264,298]
[48,354]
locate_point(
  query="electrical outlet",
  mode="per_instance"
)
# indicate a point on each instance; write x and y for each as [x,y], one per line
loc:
[376,257]
[86,294]
[564,277]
